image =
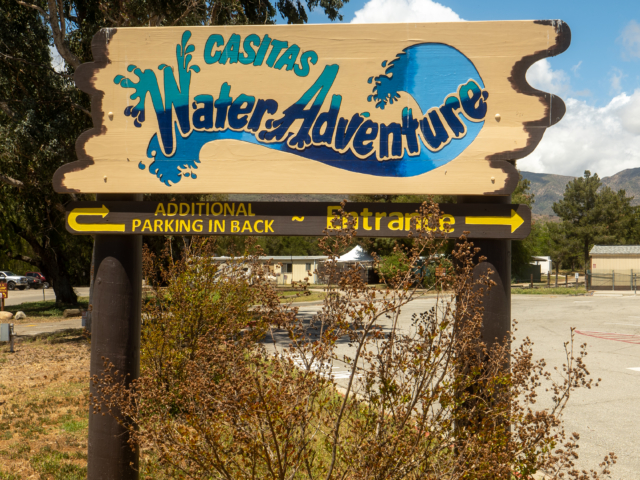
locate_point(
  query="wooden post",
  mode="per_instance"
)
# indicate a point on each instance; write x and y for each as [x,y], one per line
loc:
[531,284]
[548,279]
[566,280]
[115,337]
[497,301]
[613,279]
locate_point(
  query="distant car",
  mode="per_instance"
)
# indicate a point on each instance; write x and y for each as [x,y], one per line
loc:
[34,282]
[13,281]
[39,276]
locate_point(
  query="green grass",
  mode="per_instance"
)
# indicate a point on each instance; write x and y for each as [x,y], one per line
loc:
[549,291]
[70,335]
[291,296]
[73,426]
[57,465]
[47,308]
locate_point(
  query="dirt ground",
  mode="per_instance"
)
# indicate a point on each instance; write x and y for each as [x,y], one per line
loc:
[44,389]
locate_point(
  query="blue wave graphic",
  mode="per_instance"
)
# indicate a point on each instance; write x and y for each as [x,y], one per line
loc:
[428,72]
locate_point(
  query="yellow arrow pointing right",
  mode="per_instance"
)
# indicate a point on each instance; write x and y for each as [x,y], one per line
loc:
[92,227]
[515,221]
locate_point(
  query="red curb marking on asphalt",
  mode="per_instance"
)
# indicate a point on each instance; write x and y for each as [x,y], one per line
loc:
[618,337]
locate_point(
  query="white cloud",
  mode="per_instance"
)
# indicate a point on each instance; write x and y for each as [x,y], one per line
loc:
[630,40]
[541,76]
[575,68]
[403,11]
[616,80]
[603,140]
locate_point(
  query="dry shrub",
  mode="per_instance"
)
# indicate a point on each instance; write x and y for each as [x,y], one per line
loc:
[218,397]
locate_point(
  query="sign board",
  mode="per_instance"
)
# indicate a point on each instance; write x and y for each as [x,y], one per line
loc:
[292,218]
[439,108]
[4,290]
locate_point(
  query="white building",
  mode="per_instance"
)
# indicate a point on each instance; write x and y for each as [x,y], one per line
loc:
[546,265]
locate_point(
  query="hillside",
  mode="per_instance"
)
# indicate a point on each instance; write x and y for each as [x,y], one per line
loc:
[549,188]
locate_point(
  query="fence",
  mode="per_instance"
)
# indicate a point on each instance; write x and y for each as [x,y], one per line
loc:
[614,280]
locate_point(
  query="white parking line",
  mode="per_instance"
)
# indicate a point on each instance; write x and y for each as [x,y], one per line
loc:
[635,369]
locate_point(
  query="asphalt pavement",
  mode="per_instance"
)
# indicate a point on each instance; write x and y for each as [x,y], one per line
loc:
[17,297]
[606,416]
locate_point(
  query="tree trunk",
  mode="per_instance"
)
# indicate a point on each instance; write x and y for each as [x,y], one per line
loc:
[54,270]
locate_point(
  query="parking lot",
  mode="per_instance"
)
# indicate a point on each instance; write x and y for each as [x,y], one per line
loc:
[606,417]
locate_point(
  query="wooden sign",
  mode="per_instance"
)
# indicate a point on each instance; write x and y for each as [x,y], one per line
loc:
[292,218]
[440,108]
[4,290]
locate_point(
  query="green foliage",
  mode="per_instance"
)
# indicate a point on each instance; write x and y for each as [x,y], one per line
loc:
[42,113]
[591,214]
[522,250]
[394,264]
[40,118]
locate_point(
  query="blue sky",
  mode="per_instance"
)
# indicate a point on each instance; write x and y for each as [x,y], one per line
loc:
[598,76]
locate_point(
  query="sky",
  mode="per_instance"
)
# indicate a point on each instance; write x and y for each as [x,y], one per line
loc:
[598,77]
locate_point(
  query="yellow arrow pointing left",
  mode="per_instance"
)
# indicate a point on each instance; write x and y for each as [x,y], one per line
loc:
[92,227]
[515,221]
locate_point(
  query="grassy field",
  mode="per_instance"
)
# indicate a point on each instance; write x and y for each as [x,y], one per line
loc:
[46,311]
[550,291]
[297,296]
[44,390]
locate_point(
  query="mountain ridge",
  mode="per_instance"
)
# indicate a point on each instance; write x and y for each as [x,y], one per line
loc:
[549,188]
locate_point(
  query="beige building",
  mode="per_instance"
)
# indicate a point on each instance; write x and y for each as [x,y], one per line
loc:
[290,268]
[615,267]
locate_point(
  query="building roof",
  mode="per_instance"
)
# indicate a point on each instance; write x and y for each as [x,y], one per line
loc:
[615,250]
[358,254]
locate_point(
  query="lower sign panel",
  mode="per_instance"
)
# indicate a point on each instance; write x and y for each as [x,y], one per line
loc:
[292,218]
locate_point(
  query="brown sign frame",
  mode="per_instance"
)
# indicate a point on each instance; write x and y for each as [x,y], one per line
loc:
[292,218]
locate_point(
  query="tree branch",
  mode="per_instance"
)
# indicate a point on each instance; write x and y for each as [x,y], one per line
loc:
[186,12]
[17,256]
[39,65]
[58,35]
[35,7]
[82,109]
[10,181]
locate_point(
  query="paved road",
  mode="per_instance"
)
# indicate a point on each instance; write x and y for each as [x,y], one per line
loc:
[17,297]
[26,329]
[606,417]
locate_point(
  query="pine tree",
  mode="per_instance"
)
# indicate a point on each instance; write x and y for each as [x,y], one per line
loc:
[593,214]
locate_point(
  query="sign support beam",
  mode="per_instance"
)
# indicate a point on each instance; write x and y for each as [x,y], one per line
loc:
[497,301]
[115,338]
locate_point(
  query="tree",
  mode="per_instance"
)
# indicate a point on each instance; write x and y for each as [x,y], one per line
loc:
[594,214]
[562,248]
[42,113]
[522,250]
